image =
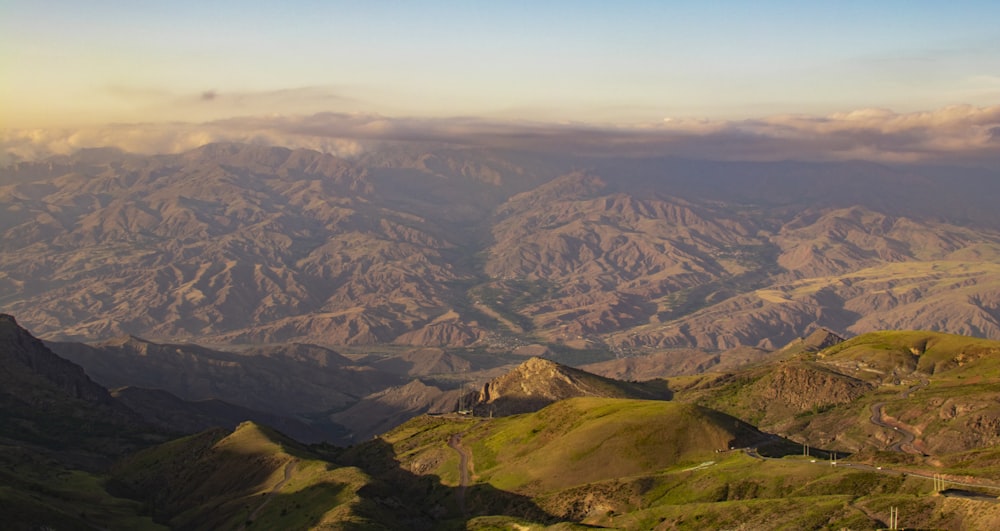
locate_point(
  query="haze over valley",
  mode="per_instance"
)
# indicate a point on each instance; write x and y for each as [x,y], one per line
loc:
[498,266]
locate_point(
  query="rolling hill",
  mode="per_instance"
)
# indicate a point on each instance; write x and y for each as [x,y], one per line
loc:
[899,408]
[941,387]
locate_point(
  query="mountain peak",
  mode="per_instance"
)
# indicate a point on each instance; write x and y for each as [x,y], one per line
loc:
[7,320]
[538,382]
[820,339]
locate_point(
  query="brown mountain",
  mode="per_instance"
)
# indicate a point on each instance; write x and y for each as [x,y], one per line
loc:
[471,248]
[237,242]
[50,403]
[167,411]
[297,381]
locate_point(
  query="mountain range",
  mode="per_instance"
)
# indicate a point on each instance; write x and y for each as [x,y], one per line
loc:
[447,247]
[438,337]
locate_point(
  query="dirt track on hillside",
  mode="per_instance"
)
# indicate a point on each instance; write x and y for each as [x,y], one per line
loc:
[274,490]
[455,442]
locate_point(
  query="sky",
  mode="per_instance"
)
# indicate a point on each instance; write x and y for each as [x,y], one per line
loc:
[103,67]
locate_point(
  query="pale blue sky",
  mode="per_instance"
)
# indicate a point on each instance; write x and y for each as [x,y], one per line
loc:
[76,63]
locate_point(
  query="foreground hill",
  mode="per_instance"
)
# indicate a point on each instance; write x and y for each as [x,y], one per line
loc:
[895,409]
[869,392]
[468,248]
[628,464]
[250,477]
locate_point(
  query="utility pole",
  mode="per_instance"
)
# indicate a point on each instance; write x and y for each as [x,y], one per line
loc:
[938,483]
[893,517]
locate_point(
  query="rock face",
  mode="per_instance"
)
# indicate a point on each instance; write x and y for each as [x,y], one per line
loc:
[538,382]
[816,341]
[820,339]
[803,387]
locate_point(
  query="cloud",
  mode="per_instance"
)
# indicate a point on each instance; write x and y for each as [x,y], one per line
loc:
[962,133]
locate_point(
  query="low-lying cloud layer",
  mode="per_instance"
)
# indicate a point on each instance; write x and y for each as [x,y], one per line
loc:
[956,134]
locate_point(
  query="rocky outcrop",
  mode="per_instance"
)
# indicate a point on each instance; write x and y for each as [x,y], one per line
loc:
[538,382]
[801,387]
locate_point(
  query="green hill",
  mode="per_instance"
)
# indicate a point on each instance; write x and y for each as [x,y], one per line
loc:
[633,464]
[942,387]
[252,477]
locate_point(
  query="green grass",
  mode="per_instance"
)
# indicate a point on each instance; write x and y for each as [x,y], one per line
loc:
[578,441]
[217,479]
[932,353]
[38,492]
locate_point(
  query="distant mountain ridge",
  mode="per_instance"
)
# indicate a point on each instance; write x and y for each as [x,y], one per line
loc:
[447,247]
[283,380]
[50,402]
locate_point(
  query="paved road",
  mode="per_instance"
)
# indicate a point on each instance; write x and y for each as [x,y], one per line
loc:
[905,444]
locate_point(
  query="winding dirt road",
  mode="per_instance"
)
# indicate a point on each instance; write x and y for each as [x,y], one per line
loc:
[455,442]
[274,491]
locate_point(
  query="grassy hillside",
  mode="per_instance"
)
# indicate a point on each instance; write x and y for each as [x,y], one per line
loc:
[37,492]
[251,477]
[588,439]
[944,356]
[942,387]
[633,464]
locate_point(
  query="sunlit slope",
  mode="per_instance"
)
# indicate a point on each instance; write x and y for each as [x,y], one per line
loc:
[959,294]
[539,382]
[630,464]
[219,480]
[582,440]
[942,356]
[942,387]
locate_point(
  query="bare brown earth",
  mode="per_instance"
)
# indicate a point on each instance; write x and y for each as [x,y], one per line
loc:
[538,382]
[462,248]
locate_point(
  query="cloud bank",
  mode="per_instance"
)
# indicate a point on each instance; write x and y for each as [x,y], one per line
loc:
[955,134]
